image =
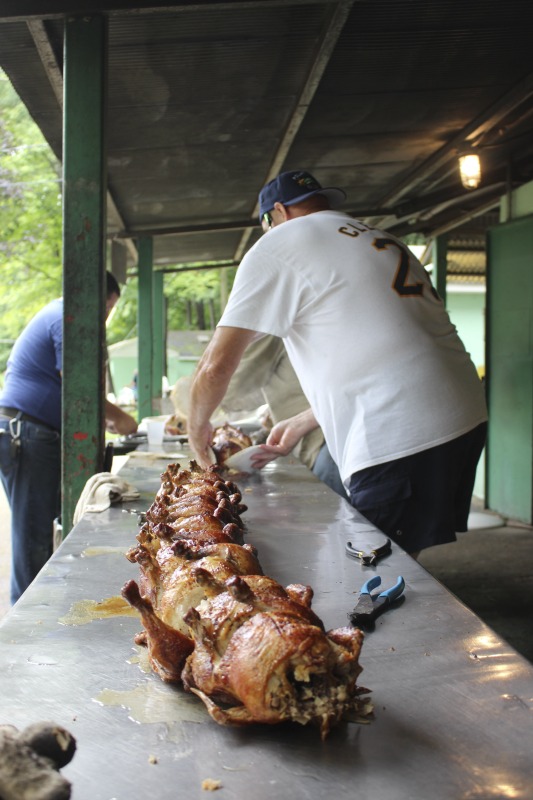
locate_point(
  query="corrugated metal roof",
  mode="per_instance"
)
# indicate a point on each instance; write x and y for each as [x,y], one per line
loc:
[208,100]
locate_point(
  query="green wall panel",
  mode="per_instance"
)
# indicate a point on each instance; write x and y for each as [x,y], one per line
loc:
[510,369]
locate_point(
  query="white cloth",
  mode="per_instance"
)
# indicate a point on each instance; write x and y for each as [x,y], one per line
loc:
[384,369]
[101,491]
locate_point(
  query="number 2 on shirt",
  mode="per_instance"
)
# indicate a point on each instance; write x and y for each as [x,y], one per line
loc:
[400,284]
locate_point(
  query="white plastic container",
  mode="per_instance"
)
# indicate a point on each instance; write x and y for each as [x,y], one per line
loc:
[155,430]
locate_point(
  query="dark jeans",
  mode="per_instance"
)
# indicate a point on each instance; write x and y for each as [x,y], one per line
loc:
[32,482]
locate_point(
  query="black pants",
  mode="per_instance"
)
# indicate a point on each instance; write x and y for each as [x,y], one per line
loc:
[424,499]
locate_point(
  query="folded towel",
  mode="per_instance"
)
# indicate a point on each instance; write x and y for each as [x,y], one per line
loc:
[101,491]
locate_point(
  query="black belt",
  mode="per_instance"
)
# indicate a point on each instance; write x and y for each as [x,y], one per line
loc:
[10,413]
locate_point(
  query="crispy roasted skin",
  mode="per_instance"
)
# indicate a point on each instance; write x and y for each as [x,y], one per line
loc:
[228,440]
[252,650]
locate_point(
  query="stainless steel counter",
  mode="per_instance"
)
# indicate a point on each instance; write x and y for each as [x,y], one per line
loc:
[453,702]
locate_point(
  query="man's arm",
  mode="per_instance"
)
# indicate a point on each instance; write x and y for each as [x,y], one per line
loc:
[211,379]
[118,420]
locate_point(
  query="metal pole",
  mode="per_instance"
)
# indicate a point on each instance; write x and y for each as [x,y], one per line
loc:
[145,328]
[158,341]
[440,262]
[84,237]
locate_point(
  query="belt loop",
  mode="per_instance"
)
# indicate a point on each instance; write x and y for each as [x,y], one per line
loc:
[15,425]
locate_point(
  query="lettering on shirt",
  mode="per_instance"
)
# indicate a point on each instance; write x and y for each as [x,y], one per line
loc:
[353,229]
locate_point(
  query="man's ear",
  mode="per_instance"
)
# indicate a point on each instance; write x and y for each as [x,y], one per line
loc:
[283,210]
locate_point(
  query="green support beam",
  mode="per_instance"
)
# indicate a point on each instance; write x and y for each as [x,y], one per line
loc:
[84,236]
[440,265]
[145,325]
[159,339]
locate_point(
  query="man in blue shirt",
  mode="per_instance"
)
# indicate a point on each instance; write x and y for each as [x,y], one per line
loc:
[30,437]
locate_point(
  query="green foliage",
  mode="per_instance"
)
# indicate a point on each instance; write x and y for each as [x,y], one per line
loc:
[415,238]
[122,324]
[30,210]
[186,290]
[192,302]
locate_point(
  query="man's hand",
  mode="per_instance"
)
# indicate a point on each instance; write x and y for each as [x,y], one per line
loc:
[200,439]
[211,378]
[284,437]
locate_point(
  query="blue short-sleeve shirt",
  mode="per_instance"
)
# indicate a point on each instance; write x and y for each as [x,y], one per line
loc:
[33,379]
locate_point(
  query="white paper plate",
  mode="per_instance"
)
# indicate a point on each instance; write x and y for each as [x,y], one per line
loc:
[243,459]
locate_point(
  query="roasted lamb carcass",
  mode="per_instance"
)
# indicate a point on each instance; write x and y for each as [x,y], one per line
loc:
[260,655]
[228,440]
[252,650]
[194,515]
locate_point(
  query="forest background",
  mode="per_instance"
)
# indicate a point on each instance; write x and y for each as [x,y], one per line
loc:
[31,242]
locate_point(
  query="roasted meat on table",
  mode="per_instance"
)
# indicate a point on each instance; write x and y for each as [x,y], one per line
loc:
[252,650]
[228,439]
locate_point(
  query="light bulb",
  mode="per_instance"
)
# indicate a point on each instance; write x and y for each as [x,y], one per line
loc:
[470,170]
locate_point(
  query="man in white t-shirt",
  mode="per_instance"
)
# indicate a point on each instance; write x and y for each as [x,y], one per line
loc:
[387,378]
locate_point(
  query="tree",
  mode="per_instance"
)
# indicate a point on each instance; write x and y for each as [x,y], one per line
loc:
[185,291]
[30,210]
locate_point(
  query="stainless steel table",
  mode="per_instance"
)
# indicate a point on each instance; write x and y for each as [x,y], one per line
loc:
[453,701]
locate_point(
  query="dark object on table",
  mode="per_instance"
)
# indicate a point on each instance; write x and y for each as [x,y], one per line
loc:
[368,559]
[125,444]
[371,606]
[30,761]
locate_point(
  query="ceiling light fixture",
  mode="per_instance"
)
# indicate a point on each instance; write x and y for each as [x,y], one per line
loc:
[470,170]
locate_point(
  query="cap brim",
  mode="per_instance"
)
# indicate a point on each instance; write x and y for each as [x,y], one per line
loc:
[336,197]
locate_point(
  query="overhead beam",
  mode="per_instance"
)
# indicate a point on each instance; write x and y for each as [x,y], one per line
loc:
[424,208]
[186,268]
[393,216]
[22,10]
[323,56]
[48,58]
[448,197]
[176,230]
[214,227]
[466,217]
[471,133]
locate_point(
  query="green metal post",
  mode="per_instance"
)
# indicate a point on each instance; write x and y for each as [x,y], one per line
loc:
[145,327]
[158,340]
[84,232]
[440,262]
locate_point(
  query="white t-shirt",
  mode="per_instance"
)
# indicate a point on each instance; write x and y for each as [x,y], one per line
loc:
[373,347]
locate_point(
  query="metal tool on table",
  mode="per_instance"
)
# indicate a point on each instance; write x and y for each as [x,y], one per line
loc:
[371,606]
[368,559]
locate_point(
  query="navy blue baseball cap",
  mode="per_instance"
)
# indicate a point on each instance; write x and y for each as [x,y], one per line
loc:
[293,187]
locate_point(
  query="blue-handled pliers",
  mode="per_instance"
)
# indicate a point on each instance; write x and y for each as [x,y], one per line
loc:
[371,606]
